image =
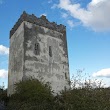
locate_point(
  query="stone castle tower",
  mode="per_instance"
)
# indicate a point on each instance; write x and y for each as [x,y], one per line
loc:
[38,48]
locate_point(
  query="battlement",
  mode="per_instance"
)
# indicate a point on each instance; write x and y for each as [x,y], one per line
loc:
[42,21]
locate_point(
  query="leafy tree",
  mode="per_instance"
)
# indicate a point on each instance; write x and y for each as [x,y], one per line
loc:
[3,98]
[35,95]
[31,95]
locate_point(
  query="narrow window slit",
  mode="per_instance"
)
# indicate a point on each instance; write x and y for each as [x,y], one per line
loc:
[37,49]
[50,51]
[65,76]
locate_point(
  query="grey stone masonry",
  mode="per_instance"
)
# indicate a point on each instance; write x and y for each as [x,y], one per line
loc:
[38,49]
[42,21]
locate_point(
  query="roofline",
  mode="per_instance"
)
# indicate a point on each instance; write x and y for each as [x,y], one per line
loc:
[42,21]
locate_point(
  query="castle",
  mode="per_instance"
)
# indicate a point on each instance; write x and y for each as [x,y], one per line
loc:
[38,49]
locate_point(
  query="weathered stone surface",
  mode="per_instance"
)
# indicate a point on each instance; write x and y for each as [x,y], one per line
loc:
[42,21]
[40,52]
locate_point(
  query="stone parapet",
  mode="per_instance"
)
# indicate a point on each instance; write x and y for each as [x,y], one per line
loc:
[42,21]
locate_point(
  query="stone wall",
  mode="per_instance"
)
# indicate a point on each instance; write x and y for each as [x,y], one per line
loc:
[51,68]
[16,58]
[38,48]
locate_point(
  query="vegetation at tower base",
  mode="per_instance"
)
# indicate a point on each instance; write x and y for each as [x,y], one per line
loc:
[38,48]
[34,95]
[31,95]
[3,98]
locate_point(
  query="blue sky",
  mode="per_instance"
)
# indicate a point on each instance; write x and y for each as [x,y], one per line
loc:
[88,32]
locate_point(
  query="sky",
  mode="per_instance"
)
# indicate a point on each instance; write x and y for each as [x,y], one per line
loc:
[87,26]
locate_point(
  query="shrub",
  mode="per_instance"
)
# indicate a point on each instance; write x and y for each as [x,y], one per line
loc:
[34,95]
[31,95]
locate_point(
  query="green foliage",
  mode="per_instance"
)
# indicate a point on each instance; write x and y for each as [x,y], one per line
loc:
[34,95]
[31,95]
[3,94]
[87,99]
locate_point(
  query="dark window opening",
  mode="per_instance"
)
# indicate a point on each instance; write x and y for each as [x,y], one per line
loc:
[65,76]
[37,48]
[50,51]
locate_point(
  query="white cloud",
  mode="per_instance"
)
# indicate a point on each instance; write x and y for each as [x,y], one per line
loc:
[3,73]
[102,73]
[54,6]
[43,14]
[70,23]
[4,50]
[96,15]
[64,15]
[94,2]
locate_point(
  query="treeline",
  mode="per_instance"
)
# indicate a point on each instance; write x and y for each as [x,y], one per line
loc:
[34,95]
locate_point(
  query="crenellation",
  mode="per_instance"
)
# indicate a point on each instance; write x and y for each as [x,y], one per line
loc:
[42,21]
[38,49]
